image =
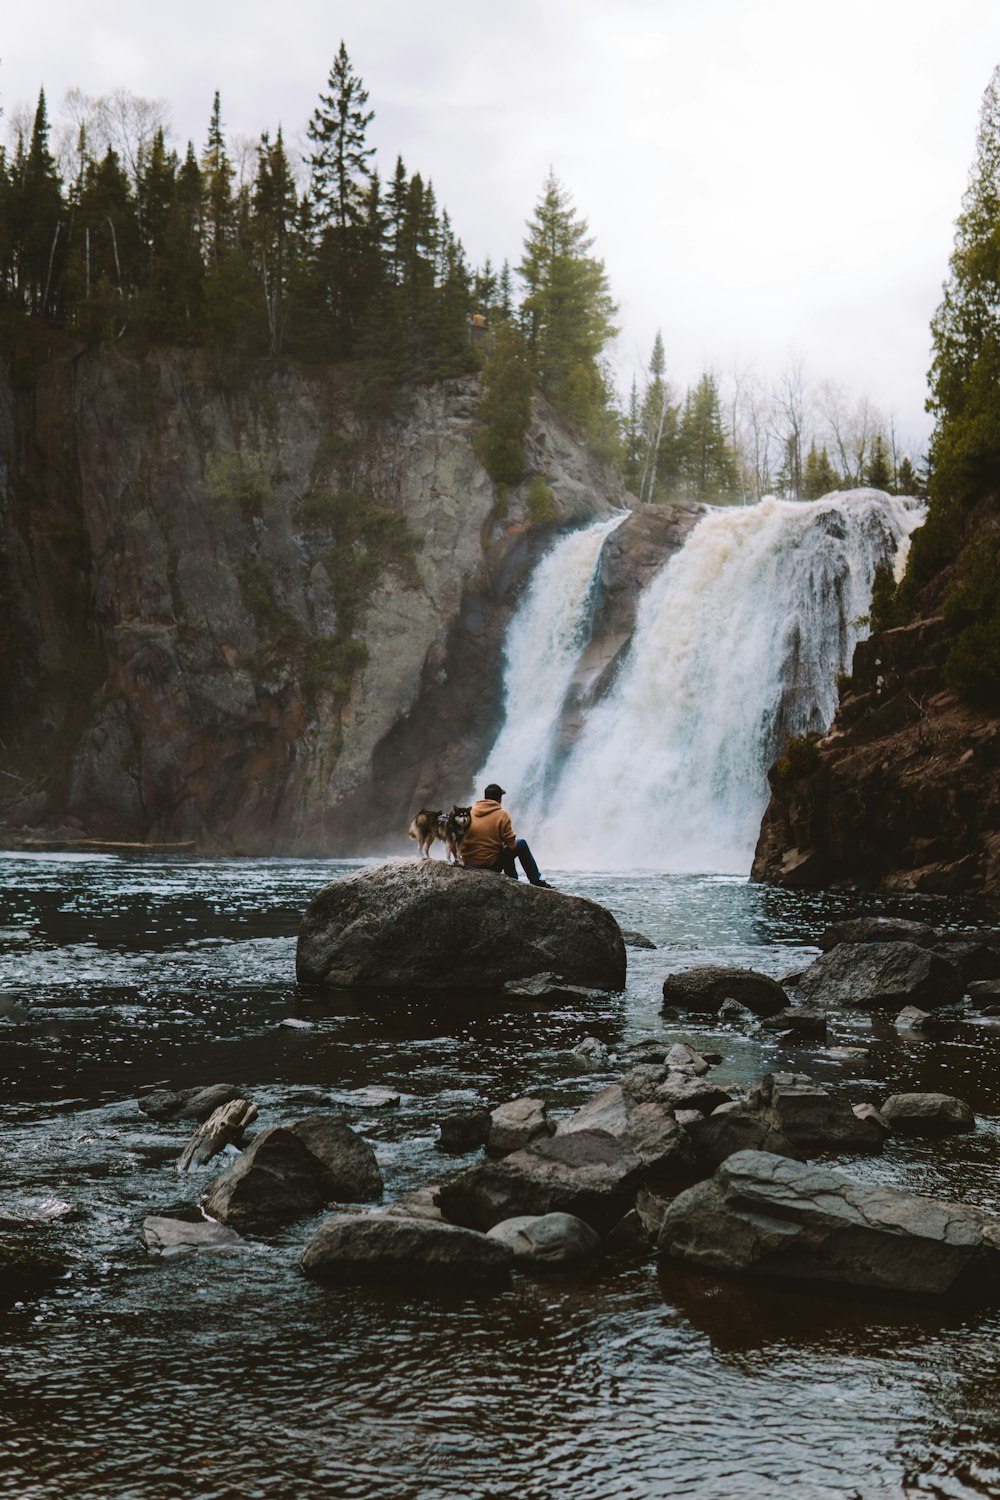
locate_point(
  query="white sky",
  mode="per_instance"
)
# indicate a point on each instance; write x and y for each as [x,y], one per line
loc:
[765,180]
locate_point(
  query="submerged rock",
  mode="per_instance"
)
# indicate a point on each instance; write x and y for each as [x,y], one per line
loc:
[398,1249]
[169,1238]
[425,925]
[188,1104]
[767,1216]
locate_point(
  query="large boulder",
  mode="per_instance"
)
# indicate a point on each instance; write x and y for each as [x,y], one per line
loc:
[288,1172]
[877,930]
[425,925]
[384,1247]
[880,975]
[928,1114]
[810,1118]
[708,986]
[767,1216]
[587,1173]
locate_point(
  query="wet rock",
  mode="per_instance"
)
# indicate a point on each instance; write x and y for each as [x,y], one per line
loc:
[648,1129]
[878,930]
[927,1114]
[765,1216]
[799,1022]
[550,987]
[869,1111]
[592,1053]
[649,1051]
[810,1118]
[586,1173]
[735,1014]
[714,1137]
[427,925]
[547,1239]
[706,988]
[516,1124]
[683,1059]
[421,1203]
[224,1127]
[663,1085]
[288,1172]
[975,960]
[984,992]
[374,1096]
[636,939]
[401,1250]
[465,1130]
[188,1104]
[628,1237]
[911,1018]
[880,976]
[169,1238]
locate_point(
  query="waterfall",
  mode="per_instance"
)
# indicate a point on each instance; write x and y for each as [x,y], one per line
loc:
[738,642]
[543,642]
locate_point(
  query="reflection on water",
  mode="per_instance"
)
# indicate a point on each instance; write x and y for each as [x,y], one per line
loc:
[236,1376]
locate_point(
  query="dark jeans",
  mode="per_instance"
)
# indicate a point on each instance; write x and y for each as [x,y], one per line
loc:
[505,864]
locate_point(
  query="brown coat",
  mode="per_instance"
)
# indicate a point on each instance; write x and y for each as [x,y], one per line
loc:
[488,832]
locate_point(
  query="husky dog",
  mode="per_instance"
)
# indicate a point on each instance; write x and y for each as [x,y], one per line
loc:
[456,827]
[426,827]
[450,828]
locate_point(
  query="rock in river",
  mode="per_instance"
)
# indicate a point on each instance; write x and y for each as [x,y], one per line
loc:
[768,1216]
[426,925]
[368,1247]
[707,987]
[288,1172]
[880,975]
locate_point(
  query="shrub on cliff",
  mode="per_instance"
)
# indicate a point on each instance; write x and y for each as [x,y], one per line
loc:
[800,758]
[506,407]
[972,607]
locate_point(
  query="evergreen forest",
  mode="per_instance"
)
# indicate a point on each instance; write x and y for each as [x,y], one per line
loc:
[257,251]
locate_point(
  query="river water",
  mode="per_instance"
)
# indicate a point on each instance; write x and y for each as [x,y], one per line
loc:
[232,1376]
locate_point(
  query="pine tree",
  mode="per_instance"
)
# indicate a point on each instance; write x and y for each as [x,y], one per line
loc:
[708,464]
[37,221]
[568,311]
[271,234]
[965,373]
[217,181]
[878,470]
[819,477]
[506,407]
[339,182]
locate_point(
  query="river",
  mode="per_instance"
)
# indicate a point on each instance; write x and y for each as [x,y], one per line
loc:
[218,1377]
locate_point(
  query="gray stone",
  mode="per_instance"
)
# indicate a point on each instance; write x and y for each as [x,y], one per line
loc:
[592,1053]
[707,987]
[224,1127]
[420,1203]
[401,1250]
[649,1130]
[812,1119]
[880,976]
[927,1114]
[547,1239]
[878,930]
[586,1173]
[799,1021]
[662,1085]
[637,939]
[464,1130]
[169,1238]
[188,1104]
[869,1111]
[682,1058]
[716,1136]
[289,1172]
[427,925]
[975,960]
[516,1124]
[551,988]
[766,1216]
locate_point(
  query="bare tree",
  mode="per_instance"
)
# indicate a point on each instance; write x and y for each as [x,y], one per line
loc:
[790,395]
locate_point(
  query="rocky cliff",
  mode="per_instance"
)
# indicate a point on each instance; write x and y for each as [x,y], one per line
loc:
[902,794]
[261,611]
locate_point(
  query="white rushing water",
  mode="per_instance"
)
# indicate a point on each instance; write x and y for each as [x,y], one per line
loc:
[738,643]
[543,642]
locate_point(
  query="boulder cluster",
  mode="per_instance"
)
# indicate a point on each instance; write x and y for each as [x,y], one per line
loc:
[662,1161]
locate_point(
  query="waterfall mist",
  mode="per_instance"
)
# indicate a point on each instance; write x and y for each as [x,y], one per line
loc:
[738,643]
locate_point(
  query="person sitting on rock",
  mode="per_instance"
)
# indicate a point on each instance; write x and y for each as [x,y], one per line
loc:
[491,843]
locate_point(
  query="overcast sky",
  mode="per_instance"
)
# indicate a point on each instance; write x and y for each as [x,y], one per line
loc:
[765,180]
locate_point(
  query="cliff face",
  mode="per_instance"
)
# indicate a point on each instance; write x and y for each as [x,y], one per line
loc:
[904,793]
[262,615]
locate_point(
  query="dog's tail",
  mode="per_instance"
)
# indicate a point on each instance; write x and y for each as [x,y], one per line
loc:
[413,831]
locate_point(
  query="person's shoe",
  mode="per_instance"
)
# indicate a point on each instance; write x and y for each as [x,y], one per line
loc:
[544,885]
